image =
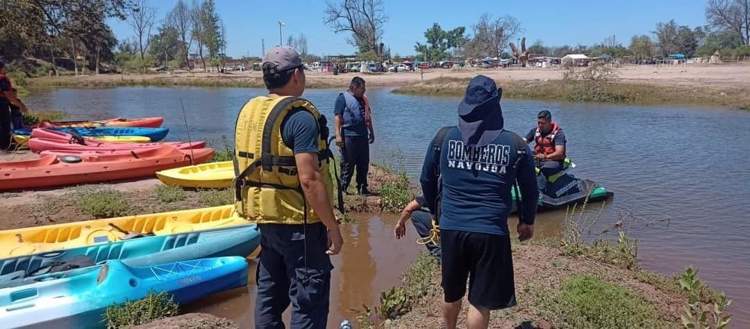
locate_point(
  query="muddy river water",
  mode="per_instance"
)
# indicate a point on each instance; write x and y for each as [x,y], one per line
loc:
[681,178]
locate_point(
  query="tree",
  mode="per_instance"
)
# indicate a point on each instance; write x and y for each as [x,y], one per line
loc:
[212,32]
[717,40]
[439,42]
[610,47]
[46,27]
[642,47]
[141,19]
[492,36]
[198,33]
[538,48]
[166,45]
[730,15]
[181,19]
[675,38]
[364,19]
[299,43]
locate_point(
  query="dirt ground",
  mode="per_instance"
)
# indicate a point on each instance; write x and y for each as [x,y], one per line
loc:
[543,267]
[190,321]
[689,75]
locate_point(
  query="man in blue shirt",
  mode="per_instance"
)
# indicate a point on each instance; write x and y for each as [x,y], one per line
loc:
[352,135]
[476,164]
[294,264]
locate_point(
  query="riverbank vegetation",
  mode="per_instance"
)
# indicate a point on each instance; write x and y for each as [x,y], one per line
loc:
[132,313]
[611,91]
[566,283]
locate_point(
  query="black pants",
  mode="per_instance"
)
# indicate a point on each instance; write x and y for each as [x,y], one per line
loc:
[356,155]
[4,125]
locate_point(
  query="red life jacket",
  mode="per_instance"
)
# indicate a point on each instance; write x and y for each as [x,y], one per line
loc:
[545,144]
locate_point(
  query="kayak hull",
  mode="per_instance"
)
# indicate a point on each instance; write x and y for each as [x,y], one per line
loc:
[38,145]
[58,237]
[51,171]
[207,175]
[155,134]
[79,298]
[144,251]
[149,122]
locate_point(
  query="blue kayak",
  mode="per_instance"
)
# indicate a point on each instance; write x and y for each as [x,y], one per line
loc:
[143,251]
[156,134]
[79,298]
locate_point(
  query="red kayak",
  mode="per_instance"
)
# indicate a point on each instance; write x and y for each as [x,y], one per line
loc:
[61,169]
[43,144]
[151,122]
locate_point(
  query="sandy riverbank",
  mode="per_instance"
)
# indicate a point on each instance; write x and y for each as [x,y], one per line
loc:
[694,75]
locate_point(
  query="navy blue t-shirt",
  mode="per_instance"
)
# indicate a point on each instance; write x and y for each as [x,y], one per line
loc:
[477,181]
[353,131]
[5,87]
[300,132]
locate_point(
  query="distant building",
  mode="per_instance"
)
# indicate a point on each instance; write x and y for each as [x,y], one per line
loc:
[576,60]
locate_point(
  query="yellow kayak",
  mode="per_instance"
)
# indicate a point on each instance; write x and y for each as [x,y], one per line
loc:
[122,139]
[207,175]
[32,240]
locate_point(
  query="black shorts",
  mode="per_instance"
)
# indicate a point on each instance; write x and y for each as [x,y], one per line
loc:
[486,261]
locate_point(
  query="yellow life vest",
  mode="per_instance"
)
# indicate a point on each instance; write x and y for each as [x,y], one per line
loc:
[267,189]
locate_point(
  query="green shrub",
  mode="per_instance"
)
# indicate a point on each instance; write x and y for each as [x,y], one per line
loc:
[394,302]
[395,194]
[169,194]
[697,315]
[588,302]
[102,203]
[30,119]
[153,307]
[215,198]
[223,155]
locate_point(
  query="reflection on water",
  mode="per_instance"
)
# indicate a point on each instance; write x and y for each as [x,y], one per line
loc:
[686,166]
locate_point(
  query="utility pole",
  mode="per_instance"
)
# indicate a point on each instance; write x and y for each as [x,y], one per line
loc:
[263,47]
[281,38]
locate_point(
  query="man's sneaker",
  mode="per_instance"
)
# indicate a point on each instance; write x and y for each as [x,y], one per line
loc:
[363,190]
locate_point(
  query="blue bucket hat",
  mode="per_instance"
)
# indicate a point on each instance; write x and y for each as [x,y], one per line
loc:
[480,117]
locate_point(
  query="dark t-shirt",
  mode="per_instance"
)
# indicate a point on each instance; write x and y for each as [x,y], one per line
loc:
[559,137]
[5,87]
[300,132]
[354,131]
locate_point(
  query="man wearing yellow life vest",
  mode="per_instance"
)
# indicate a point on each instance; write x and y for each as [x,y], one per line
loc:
[549,144]
[283,183]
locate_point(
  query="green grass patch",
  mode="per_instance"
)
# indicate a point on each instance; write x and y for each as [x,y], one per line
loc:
[216,197]
[102,203]
[170,194]
[30,119]
[587,302]
[396,193]
[397,301]
[223,155]
[153,307]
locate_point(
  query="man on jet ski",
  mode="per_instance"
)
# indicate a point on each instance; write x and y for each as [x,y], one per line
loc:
[549,144]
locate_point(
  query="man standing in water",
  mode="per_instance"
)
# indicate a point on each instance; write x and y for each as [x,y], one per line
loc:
[283,183]
[354,133]
[478,163]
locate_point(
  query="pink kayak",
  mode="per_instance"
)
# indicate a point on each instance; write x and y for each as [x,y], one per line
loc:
[151,122]
[43,144]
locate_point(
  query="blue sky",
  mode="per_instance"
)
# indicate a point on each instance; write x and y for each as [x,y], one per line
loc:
[554,22]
